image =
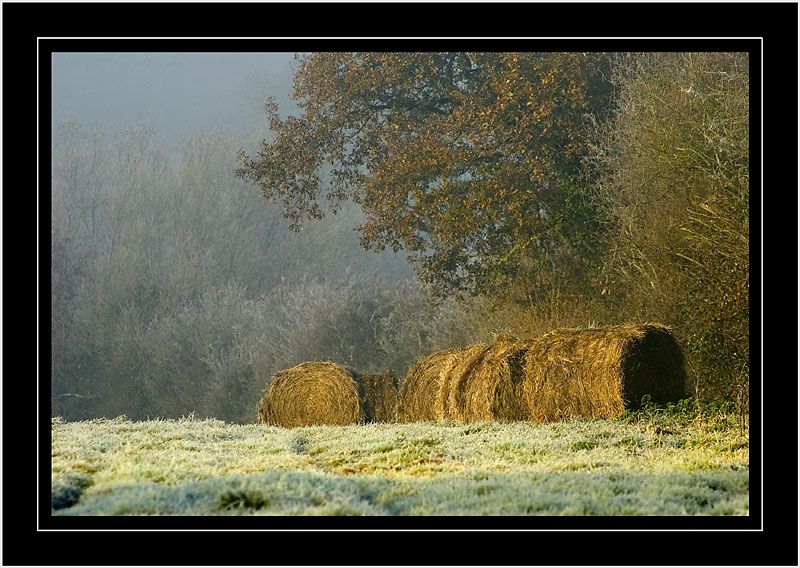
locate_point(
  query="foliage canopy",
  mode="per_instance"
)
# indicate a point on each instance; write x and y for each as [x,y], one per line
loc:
[466,161]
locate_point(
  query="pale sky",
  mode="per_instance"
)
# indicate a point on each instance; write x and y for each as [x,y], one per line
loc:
[179,92]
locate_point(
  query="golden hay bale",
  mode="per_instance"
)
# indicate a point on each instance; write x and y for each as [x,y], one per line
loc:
[447,400]
[379,395]
[310,394]
[601,372]
[486,383]
[420,388]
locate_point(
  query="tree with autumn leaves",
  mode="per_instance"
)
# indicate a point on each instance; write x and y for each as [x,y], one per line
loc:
[567,188]
[468,162]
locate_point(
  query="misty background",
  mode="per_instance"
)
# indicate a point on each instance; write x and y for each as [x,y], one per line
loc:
[175,287]
[182,93]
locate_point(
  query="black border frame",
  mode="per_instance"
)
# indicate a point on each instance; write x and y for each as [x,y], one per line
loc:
[769,536]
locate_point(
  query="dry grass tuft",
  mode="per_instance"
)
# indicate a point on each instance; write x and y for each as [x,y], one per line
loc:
[601,372]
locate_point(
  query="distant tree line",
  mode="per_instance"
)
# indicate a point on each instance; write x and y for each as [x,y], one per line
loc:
[176,289]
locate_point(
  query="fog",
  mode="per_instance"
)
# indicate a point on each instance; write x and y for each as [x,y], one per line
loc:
[176,288]
[180,92]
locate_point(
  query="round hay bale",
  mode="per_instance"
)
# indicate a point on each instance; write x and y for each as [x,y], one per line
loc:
[309,394]
[601,372]
[420,388]
[486,383]
[450,397]
[379,395]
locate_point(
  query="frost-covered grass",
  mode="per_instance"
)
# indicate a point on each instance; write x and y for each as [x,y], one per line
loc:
[644,464]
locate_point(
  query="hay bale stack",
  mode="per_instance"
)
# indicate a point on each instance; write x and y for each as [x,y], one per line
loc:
[311,394]
[420,388]
[486,383]
[601,372]
[379,395]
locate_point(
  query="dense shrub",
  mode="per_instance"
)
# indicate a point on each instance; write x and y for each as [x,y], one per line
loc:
[674,192]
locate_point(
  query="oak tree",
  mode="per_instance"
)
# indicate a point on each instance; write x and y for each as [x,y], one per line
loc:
[466,161]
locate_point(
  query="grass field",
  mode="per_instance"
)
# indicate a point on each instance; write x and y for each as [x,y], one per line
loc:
[659,461]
